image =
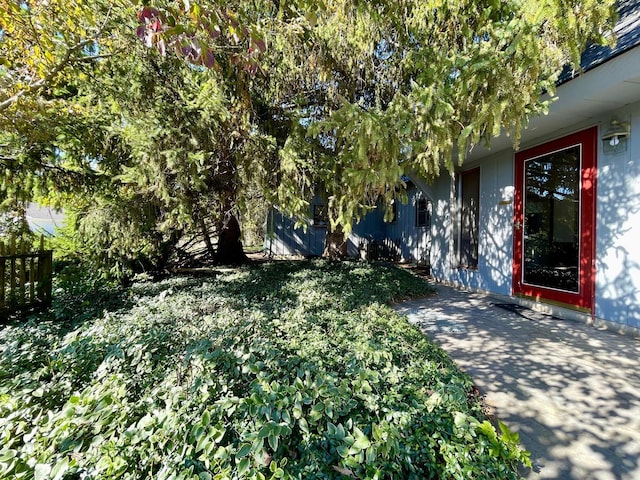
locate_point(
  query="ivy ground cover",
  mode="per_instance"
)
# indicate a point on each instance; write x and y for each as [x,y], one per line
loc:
[282,370]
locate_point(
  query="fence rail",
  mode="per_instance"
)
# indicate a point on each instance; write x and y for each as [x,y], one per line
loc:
[25,277]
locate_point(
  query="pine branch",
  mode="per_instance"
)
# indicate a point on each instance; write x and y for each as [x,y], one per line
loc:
[67,60]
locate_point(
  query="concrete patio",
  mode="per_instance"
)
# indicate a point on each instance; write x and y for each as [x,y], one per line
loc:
[570,390]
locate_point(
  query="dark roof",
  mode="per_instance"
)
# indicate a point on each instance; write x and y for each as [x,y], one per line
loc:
[627,31]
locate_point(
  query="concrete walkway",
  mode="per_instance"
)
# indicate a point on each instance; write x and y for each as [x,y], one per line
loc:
[570,390]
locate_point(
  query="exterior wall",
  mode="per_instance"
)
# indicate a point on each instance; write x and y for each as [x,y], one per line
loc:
[617,256]
[618,228]
[283,239]
[370,228]
[411,243]
[401,239]
[495,251]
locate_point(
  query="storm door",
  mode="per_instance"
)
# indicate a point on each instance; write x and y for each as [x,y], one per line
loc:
[553,222]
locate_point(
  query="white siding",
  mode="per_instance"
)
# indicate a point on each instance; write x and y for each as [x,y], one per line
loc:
[495,250]
[618,228]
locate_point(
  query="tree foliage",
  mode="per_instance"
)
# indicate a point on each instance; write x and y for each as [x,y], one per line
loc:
[384,88]
[185,149]
[42,42]
[142,150]
[299,97]
[46,50]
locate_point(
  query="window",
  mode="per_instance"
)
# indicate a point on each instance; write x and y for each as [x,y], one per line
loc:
[394,212]
[468,197]
[423,212]
[320,216]
[551,245]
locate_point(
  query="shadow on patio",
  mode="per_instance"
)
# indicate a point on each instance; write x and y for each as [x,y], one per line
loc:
[570,390]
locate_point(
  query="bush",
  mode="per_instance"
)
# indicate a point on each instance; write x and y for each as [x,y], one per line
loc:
[287,370]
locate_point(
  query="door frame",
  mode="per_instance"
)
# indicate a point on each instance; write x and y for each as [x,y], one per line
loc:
[583,300]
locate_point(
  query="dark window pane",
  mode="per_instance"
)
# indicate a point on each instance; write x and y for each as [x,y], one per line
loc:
[469,218]
[423,213]
[320,216]
[551,221]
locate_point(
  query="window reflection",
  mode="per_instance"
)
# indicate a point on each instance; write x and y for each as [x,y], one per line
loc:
[551,223]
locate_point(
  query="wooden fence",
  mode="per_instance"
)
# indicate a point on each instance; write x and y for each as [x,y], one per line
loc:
[25,277]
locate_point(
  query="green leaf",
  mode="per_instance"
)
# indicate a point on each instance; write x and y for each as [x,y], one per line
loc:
[361,440]
[264,431]
[218,434]
[331,429]
[273,442]
[434,401]
[8,455]
[304,426]
[286,417]
[316,412]
[243,467]
[460,419]
[58,471]
[244,450]
[512,438]
[371,455]
[221,453]
[376,432]
[343,451]
[206,418]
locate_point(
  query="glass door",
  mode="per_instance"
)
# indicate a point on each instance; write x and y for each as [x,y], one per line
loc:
[553,223]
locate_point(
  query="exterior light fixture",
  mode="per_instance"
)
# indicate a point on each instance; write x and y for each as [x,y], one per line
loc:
[615,138]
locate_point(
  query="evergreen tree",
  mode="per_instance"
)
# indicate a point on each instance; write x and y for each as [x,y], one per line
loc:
[374,90]
[299,97]
[144,152]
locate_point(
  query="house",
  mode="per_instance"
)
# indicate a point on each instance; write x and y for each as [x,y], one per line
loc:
[406,237]
[555,225]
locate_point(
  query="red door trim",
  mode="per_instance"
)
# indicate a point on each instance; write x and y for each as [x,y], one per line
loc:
[582,300]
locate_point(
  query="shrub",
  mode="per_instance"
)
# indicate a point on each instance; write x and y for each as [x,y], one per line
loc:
[287,370]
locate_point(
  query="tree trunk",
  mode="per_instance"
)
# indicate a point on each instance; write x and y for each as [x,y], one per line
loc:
[335,244]
[230,250]
[165,249]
